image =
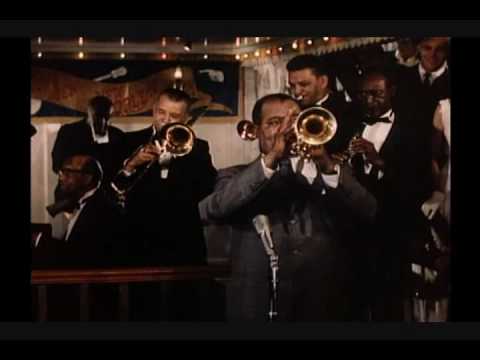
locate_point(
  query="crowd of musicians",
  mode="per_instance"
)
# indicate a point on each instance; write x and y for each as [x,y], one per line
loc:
[330,222]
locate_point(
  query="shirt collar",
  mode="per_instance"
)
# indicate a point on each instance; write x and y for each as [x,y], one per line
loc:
[322,100]
[97,138]
[389,114]
[87,195]
[434,74]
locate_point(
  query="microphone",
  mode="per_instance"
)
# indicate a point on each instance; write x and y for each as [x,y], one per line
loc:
[214,75]
[262,226]
[121,71]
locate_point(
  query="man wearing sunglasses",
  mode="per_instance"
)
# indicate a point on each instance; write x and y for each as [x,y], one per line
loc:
[93,232]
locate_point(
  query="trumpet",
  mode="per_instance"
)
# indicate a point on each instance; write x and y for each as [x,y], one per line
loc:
[347,155]
[175,138]
[313,127]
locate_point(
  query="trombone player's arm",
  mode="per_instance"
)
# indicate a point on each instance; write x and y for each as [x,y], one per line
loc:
[144,155]
[126,177]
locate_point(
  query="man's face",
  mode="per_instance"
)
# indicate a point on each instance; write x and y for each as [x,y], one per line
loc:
[167,111]
[308,86]
[100,118]
[71,178]
[433,53]
[375,96]
[274,114]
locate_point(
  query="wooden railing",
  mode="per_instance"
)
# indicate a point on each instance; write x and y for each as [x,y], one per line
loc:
[42,279]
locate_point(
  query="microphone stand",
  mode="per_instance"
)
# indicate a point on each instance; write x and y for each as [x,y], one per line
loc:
[263,228]
[273,311]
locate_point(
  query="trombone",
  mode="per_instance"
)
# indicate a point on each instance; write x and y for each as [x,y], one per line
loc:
[175,138]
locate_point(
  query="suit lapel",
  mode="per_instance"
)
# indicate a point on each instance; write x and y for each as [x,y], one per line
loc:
[391,140]
[85,219]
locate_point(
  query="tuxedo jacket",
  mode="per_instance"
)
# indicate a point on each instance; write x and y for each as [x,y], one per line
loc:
[406,182]
[400,225]
[96,239]
[76,138]
[413,95]
[162,213]
[306,222]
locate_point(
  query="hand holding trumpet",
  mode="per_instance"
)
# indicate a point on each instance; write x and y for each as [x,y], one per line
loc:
[294,134]
[363,146]
[280,141]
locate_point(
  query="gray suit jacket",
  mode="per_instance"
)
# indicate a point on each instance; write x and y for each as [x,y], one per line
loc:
[307,223]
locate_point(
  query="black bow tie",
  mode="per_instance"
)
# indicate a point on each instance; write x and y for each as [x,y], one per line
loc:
[374,120]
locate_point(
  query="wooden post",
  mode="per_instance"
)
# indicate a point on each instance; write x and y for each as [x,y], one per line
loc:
[84,303]
[123,303]
[42,303]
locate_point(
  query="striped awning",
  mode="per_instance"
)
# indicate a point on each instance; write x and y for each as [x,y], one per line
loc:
[341,44]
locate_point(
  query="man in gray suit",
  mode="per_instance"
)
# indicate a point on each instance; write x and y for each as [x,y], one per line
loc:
[308,209]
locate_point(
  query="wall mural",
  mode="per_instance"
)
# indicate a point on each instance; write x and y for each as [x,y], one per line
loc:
[63,87]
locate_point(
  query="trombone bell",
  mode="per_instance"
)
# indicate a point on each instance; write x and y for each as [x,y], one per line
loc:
[178,138]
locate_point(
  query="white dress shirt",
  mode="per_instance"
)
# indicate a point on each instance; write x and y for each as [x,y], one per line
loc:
[433,75]
[97,138]
[309,171]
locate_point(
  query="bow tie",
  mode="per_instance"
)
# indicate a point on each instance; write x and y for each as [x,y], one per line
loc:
[374,120]
[72,207]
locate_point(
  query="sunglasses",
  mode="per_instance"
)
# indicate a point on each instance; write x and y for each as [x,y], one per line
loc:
[67,171]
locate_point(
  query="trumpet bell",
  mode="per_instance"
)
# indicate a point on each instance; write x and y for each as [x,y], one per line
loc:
[315,126]
[178,138]
[247,130]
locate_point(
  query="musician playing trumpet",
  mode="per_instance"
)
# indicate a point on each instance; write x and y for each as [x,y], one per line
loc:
[303,213]
[312,82]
